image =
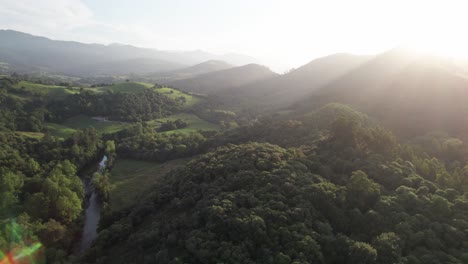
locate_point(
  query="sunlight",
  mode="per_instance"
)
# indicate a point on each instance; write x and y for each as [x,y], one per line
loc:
[436,27]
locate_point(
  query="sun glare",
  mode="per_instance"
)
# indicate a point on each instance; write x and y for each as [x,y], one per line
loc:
[437,27]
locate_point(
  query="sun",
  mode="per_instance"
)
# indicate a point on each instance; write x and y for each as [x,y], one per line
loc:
[453,47]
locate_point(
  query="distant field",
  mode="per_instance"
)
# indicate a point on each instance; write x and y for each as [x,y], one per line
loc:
[129,178]
[67,128]
[4,65]
[50,90]
[195,123]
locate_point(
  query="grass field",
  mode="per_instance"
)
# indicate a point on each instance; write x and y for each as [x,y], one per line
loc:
[50,90]
[67,128]
[139,87]
[37,135]
[195,123]
[190,100]
[80,122]
[129,178]
[58,130]
[126,87]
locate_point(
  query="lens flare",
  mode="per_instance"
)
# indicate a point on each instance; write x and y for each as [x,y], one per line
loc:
[21,247]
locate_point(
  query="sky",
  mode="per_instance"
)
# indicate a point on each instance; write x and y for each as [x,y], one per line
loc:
[280,34]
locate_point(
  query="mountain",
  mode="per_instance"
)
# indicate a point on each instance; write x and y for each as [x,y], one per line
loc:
[32,53]
[424,89]
[192,71]
[287,88]
[217,81]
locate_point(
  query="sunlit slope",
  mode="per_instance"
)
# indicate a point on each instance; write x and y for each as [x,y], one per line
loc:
[218,81]
[294,85]
[189,72]
[407,91]
[50,91]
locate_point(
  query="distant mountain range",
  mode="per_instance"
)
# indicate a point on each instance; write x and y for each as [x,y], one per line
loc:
[27,53]
[430,91]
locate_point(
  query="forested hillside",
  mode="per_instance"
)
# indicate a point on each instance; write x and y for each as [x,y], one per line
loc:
[287,88]
[52,134]
[139,132]
[190,178]
[331,187]
[428,91]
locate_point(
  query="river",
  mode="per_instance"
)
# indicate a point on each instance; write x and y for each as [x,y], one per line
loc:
[92,213]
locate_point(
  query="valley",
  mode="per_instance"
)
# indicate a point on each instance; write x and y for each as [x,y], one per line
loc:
[347,159]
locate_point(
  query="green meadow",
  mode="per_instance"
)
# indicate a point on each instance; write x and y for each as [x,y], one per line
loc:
[51,91]
[126,87]
[190,100]
[67,128]
[195,123]
[130,178]
[37,135]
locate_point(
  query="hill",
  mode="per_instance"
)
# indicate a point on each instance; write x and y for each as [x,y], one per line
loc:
[323,186]
[28,53]
[354,196]
[409,92]
[290,87]
[217,81]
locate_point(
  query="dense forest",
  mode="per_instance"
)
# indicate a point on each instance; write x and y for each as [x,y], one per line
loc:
[349,192]
[318,182]
[42,196]
[117,106]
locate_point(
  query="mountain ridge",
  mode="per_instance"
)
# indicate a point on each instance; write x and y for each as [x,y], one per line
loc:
[70,57]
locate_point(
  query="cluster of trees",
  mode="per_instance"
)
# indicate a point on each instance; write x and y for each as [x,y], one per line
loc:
[353,194]
[226,119]
[40,187]
[142,142]
[101,179]
[17,113]
[43,79]
[172,125]
[26,110]
[39,183]
[117,106]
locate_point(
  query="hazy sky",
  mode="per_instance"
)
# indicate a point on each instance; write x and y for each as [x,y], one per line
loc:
[281,34]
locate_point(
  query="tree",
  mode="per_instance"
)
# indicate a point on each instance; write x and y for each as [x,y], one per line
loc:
[10,183]
[362,253]
[362,192]
[344,131]
[388,248]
